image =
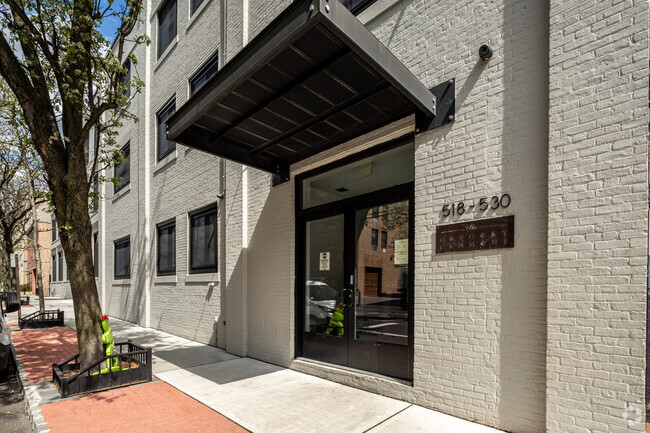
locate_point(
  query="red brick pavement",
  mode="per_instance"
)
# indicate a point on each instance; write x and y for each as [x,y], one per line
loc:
[39,348]
[151,408]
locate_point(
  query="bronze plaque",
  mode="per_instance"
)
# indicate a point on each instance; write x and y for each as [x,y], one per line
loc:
[485,234]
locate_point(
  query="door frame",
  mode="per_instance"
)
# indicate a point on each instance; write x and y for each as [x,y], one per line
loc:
[388,195]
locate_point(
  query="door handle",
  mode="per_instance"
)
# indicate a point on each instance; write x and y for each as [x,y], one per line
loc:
[347,298]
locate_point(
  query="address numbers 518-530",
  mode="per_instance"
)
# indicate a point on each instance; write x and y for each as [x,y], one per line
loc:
[483,204]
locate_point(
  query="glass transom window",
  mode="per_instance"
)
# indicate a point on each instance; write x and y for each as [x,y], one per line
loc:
[384,170]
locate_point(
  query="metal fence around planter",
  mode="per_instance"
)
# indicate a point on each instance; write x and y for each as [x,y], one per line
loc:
[91,379]
[42,319]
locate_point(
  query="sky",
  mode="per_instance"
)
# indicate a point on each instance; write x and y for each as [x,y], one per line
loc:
[110,24]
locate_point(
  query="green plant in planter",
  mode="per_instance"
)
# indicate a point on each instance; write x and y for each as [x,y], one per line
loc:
[24,288]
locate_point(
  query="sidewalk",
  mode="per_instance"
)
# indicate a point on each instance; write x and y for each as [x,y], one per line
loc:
[202,388]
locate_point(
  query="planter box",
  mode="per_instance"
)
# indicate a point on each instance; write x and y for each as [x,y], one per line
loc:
[42,319]
[90,380]
[24,300]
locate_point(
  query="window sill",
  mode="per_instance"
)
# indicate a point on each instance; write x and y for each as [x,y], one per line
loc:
[121,192]
[195,15]
[125,282]
[165,279]
[165,54]
[375,10]
[202,278]
[166,161]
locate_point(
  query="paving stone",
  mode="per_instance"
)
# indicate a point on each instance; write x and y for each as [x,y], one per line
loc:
[154,407]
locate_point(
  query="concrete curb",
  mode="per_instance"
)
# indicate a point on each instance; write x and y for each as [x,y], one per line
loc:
[32,397]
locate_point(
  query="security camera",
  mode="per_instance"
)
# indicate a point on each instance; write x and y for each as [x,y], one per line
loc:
[485,52]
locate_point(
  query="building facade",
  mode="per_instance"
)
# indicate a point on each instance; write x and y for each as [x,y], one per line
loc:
[41,233]
[490,263]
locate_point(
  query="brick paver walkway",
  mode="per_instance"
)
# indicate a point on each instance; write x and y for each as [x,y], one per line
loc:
[40,348]
[151,408]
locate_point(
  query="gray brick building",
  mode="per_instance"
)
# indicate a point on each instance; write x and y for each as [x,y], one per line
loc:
[492,267]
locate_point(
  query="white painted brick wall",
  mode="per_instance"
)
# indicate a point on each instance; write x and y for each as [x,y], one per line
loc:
[262,12]
[271,323]
[233,280]
[186,183]
[598,209]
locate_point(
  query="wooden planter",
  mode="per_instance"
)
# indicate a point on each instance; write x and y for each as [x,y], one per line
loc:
[90,380]
[42,319]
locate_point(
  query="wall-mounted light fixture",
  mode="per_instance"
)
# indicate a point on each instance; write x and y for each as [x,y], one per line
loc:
[485,52]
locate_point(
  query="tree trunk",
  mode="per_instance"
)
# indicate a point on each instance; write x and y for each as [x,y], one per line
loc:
[17,286]
[37,247]
[77,246]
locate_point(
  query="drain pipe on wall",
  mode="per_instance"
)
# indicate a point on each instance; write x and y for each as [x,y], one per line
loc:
[147,175]
[244,261]
[221,206]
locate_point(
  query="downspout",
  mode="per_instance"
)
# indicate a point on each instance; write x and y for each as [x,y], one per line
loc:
[222,330]
[147,192]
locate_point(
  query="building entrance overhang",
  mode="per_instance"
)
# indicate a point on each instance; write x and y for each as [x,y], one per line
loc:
[313,78]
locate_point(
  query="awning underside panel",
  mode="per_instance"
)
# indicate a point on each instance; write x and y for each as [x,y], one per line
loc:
[312,91]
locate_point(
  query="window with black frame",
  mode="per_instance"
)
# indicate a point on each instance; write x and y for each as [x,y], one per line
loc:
[61,267]
[357,6]
[96,140]
[194,4]
[125,79]
[203,240]
[96,253]
[54,230]
[206,72]
[165,147]
[166,25]
[53,267]
[122,171]
[374,239]
[95,197]
[122,259]
[166,257]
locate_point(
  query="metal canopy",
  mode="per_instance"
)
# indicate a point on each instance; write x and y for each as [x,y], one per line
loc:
[313,78]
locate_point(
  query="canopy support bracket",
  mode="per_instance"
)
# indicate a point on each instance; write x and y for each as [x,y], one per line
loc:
[444,100]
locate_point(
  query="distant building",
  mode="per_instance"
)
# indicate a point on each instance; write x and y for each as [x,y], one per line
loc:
[40,233]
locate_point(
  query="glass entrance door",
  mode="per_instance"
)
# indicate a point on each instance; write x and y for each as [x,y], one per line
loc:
[357,288]
[354,263]
[381,307]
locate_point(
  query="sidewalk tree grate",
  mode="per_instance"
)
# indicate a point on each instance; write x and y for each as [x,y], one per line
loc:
[135,362]
[42,319]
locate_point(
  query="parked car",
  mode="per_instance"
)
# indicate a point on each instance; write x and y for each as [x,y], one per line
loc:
[321,300]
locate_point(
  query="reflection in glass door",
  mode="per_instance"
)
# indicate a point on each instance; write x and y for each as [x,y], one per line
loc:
[325,315]
[381,307]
